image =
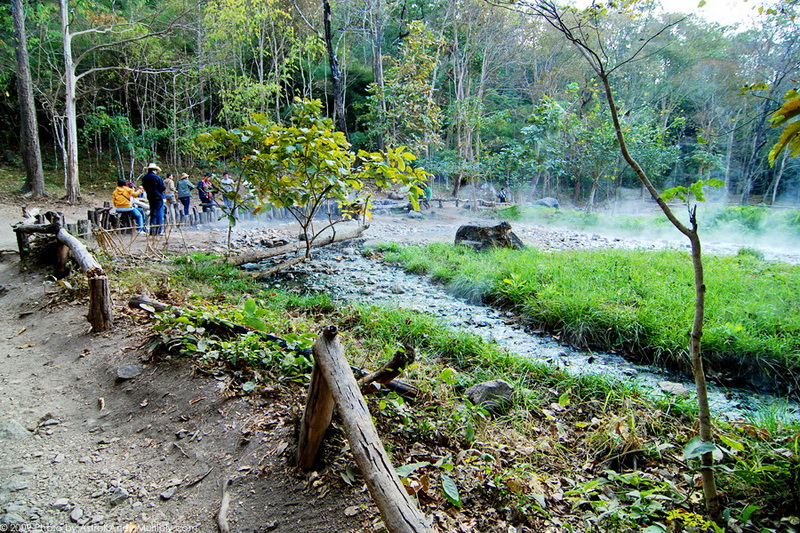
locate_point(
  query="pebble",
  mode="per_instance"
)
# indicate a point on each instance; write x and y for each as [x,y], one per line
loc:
[76,514]
[59,458]
[167,494]
[62,504]
[118,495]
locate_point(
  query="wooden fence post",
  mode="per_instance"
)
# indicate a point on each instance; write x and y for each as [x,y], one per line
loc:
[400,514]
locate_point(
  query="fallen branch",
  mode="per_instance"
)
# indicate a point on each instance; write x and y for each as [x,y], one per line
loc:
[390,369]
[254,256]
[263,274]
[399,512]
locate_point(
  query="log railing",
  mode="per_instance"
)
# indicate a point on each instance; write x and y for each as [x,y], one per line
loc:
[100,306]
[332,383]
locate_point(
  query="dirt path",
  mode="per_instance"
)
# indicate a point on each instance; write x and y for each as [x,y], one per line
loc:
[81,449]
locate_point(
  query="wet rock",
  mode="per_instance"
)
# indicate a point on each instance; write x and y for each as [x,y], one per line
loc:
[678,389]
[483,236]
[13,430]
[492,395]
[398,289]
[548,201]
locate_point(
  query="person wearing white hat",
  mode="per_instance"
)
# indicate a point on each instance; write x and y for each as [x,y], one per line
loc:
[154,188]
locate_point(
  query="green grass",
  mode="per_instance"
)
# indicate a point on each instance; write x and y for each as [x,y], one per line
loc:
[575,427]
[638,303]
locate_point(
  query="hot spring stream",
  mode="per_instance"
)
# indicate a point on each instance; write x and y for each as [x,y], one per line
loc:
[346,274]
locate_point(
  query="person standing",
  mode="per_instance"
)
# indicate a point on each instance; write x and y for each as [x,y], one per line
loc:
[121,198]
[205,192]
[227,186]
[169,197]
[154,188]
[185,188]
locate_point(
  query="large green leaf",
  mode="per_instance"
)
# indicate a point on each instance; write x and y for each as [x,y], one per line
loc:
[450,490]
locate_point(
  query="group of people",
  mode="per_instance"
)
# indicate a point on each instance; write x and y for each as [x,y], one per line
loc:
[163,193]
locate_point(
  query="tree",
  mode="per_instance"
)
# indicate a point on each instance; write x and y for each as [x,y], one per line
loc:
[29,128]
[124,33]
[581,30]
[307,163]
[412,116]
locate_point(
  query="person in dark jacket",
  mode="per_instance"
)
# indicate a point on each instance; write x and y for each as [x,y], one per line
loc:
[154,188]
[205,191]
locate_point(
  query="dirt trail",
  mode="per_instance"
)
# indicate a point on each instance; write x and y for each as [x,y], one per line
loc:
[83,450]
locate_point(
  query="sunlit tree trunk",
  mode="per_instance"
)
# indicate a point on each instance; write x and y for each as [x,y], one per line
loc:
[70,113]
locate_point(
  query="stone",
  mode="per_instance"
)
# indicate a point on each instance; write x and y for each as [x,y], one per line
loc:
[11,519]
[484,236]
[62,504]
[118,495]
[13,430]
[678,389]
[125,372]
[548,201]
[167,494]
[76,514]
[491,395]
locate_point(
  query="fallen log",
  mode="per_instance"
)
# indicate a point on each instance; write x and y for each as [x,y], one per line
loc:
[400,514]
[254,256]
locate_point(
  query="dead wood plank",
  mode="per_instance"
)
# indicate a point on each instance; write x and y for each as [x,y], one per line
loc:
[400,514]
[254,256]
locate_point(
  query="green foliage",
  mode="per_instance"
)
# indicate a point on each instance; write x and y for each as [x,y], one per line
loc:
[790,136]
[747,217]
[404,108]
[692,192]
[302,165]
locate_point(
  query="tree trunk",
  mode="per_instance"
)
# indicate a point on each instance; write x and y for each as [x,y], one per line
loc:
[336,74]
[73,184]
[29,127]
[704,418]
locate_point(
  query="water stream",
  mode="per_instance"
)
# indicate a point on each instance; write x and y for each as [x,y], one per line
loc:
[346,274]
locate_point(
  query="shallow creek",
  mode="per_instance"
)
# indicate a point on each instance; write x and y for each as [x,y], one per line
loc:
[344,272]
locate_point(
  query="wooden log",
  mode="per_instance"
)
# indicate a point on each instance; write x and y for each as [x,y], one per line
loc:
[316,419]
[399,513]
[280,266]
[256,255]
[101,315]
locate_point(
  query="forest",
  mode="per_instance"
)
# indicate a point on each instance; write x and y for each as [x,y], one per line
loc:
[480,91]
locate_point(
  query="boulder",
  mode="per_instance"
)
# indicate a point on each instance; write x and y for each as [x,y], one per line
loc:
[549,201]
[492,395]
[482,236]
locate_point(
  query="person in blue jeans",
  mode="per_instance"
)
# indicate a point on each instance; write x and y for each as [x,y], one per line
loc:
[154,188]
[185,187]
